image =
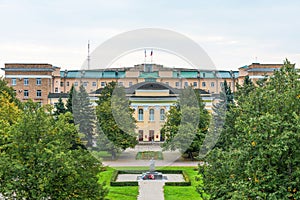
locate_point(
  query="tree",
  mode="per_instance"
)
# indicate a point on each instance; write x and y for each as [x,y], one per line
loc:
[263,159]
[187,123]
[84,115]
[59,107]
[115,120]
[40,162]
[69,104]
[9,92]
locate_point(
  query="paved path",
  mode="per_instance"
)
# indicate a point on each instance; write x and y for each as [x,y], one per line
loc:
[151,190]
[171,158]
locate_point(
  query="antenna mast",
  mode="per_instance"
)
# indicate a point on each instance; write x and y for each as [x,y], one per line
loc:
[88,57]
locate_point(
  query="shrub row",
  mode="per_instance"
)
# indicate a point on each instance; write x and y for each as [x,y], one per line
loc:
[135,183]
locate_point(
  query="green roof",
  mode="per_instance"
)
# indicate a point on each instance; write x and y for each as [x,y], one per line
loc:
[189,74]
[93,74]
[207,75]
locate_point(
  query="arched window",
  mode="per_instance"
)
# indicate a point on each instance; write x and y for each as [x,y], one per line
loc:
[162,114]
[151,115]
[141,115]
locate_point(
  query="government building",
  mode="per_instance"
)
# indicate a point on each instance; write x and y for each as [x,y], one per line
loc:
[151,88]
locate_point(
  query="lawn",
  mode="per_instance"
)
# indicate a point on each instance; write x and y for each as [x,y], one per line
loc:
[124,193]
[171,192]
[183,192]
[147,155]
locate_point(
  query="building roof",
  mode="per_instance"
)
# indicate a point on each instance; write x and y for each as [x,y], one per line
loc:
[262,69]
[92,74]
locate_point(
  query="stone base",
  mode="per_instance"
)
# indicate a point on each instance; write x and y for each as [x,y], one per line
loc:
[152,176]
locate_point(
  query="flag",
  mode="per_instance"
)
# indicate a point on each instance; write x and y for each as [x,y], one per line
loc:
[145,53]
[151,53]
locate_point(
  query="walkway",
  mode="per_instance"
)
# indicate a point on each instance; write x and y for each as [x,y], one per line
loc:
[171,158]
[150,190]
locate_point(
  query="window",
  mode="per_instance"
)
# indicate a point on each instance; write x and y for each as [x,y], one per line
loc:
[162,114]
[76,84]
[212,84]
[68,83]
[26,93]
[85,84]
[151,115]
[167,83]
[39,93]
[120,83]
[130,84]
[61,84]
[203,75]
[102,84]
[195,84]
[13,81]
[141,115]
[221,84]
[26,81]
[56,90]
[38,81]
[177,84]
[186,84]
[203,84]
[94,84]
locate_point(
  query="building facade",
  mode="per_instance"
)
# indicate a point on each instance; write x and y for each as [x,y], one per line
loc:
[152,89]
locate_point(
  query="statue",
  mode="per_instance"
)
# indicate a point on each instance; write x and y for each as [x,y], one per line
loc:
[152,165]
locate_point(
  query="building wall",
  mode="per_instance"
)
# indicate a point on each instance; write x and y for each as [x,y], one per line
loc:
[30,81]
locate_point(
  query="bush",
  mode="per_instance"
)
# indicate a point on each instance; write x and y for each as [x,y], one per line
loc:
[135,183]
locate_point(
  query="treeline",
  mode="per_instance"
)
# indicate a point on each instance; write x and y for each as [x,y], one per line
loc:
[257,155]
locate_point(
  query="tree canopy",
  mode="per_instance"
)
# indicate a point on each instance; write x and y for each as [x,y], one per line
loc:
[263,159]
[115,120]
[187,124]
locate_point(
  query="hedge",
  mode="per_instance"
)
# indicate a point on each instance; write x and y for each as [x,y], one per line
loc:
[114,176]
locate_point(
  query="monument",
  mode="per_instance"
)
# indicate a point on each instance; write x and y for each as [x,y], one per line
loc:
[152,174]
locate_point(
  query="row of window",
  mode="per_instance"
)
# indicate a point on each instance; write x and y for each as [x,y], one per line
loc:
[195,84]
[26,81]
[38,93]
[151,115]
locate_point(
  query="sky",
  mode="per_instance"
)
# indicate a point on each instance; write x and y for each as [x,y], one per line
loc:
[233,33]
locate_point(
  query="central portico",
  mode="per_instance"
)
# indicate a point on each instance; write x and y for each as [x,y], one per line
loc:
[151,102]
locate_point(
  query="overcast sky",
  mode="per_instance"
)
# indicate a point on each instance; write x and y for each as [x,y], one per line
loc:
[233,33]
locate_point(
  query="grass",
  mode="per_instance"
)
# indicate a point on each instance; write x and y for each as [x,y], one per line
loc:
[124,193]
[183,192]
[147,155]
[171,192]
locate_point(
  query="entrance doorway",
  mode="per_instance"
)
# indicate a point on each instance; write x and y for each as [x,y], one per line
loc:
[151,135]
[141,135]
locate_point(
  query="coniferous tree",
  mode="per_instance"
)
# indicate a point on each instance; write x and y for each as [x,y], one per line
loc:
[69,103]
[84,115]
[59,107]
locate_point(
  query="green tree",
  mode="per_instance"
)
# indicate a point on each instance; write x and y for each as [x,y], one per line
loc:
[115,120]
[84,115]
[264,157]
[187,124]
[59,107]
[40,162]
[9,92]
[69,104]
